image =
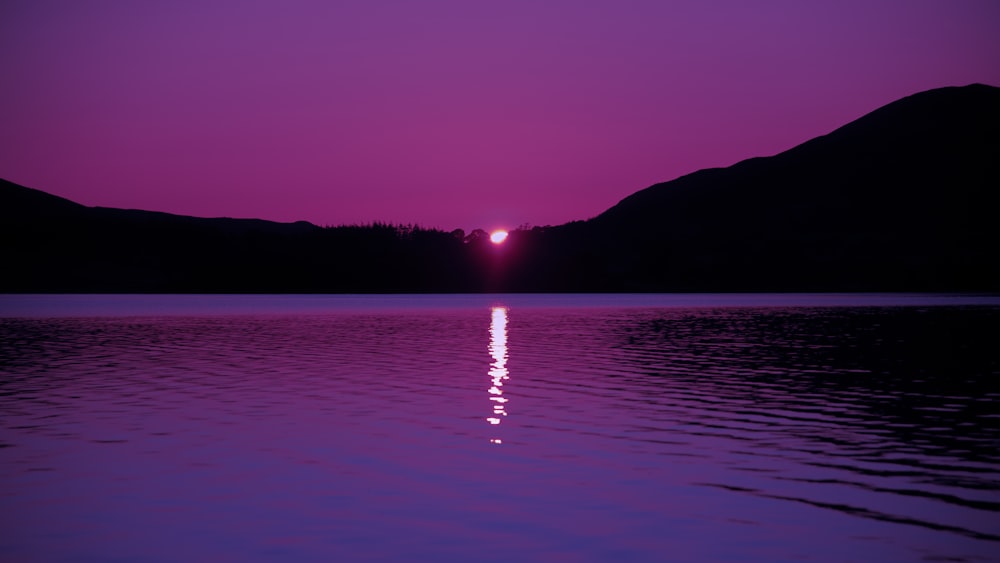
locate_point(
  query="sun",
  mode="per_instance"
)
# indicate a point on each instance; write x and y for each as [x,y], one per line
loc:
[497,237]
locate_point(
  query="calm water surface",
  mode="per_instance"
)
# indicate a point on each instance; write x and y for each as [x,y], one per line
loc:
[488,428]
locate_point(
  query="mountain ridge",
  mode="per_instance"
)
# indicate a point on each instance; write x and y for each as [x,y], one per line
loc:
[24,200]
[868,125]
[898,199]
[899,182]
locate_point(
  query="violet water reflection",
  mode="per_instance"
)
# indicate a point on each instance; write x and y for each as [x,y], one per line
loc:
[489,428]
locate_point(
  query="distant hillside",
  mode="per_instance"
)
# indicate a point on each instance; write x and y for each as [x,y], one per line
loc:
[50,244]
[21,203]
[900,199]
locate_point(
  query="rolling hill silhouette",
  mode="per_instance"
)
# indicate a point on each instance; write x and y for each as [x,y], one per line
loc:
[51,244]
[900,199]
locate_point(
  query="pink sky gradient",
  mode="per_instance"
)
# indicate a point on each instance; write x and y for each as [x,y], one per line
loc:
[445,113]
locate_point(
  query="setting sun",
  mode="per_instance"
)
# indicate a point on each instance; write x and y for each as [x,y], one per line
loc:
[497,237]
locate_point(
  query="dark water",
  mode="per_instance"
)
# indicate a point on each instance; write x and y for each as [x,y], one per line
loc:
[471,428]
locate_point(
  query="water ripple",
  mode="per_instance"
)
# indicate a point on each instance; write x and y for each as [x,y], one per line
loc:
[886,415]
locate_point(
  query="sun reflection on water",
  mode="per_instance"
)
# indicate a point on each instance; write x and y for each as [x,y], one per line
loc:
[498,367]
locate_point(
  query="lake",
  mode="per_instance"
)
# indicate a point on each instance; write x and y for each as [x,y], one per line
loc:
[500,428]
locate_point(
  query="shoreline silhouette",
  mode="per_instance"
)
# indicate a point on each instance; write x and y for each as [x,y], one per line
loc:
[897,200]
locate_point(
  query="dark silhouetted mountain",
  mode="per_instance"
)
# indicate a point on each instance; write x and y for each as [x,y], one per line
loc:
[51,244]
[899,199]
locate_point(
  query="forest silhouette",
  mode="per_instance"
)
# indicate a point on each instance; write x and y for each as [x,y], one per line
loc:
[898,200]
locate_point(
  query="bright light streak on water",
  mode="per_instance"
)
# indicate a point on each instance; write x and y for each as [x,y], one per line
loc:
[498,367]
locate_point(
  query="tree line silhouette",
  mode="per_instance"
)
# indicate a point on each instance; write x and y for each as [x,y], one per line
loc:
[898,200]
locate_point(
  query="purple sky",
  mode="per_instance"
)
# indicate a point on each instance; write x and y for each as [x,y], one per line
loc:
[452,113]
